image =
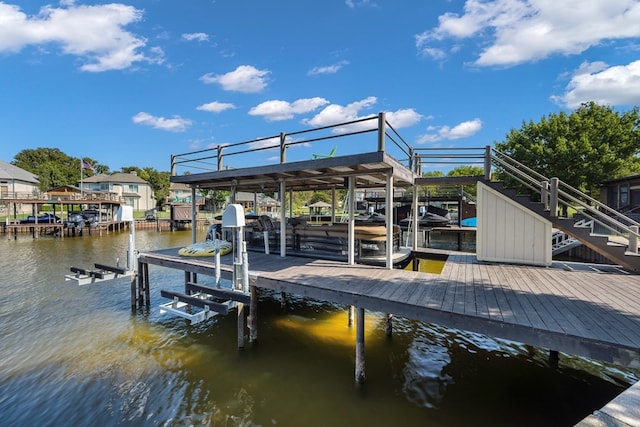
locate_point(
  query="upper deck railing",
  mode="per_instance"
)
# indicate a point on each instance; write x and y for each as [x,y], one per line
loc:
[348,138]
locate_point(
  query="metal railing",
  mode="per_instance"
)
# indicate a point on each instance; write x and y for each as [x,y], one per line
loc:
[221,157]
[557,196]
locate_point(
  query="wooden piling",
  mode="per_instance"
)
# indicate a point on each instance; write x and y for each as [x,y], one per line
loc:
[360,373]
[554,359]
[241,323]
[253,315]
[389,327]
[133,288]
[147,285]
[135,293]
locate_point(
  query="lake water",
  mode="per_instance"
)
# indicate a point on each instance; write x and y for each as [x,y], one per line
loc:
[79,355]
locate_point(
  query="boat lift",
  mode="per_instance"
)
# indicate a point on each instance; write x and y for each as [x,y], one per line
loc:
[218,299]
[102,272]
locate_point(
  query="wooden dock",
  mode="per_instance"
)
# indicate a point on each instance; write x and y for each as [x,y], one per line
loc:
[572,308]
[584,312]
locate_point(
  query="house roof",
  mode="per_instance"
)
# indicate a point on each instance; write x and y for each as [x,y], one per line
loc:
[177,186]
[116,177]
[634,177]
[11,172]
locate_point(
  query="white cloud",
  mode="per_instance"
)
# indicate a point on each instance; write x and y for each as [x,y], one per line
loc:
[267,144]
[201,37]
[461,130]
[334,114]
[94,33]
[403,118]
[597,82]
[528,30]
[174,124]
[245,78]
[329,69]
[215,107]
[282,110]
[360,3]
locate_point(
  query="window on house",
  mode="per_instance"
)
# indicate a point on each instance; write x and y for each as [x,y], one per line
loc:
[624,196]
[133,188]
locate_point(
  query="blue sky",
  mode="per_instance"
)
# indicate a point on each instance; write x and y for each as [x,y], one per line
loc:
[131,83]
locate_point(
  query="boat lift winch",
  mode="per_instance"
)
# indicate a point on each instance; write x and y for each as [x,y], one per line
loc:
[218,299]
[102,272]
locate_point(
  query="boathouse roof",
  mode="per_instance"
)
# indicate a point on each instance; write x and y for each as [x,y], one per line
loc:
[370,149]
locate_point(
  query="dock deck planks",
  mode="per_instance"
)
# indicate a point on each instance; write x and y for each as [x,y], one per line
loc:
[583,312]
[586,313]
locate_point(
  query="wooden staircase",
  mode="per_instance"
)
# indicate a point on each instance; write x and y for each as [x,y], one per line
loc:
[614,248]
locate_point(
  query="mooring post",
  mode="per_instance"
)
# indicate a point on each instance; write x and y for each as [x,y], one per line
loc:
[360,374]
[283,299]
[253,315]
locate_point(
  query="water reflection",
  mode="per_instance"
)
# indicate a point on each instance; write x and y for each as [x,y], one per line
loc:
[74,355]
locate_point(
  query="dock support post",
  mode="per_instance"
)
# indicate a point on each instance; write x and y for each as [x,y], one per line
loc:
[141,280]
[350,315]
[240,326]
[389,328]
[360,373]
[146,285]
[554,359]
[253,315]
[283,299]
[133,288]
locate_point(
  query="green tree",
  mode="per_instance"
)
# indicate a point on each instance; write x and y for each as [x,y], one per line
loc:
[467,171]
[591,145]
[320,196]
[53,167]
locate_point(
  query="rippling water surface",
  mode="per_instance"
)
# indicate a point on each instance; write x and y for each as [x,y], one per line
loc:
[78,355]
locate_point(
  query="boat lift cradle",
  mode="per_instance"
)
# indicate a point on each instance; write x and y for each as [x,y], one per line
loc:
[102,272]
[207,298]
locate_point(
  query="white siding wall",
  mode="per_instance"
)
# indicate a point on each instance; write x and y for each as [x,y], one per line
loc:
[508,232]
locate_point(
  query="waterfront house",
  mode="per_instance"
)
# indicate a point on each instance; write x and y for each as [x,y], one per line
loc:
[133,190]
[17,183]
[180,193]
[265,204]
[622,194]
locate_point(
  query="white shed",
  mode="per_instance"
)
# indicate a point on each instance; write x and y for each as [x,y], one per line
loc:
[508,232]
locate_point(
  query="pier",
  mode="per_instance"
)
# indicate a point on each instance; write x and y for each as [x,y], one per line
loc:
[574,308]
